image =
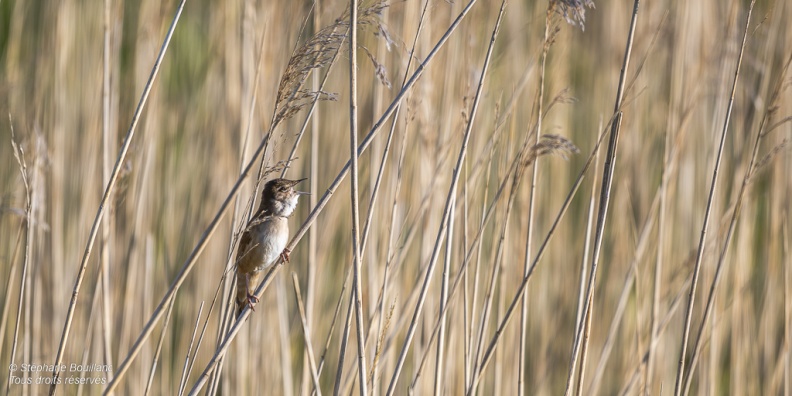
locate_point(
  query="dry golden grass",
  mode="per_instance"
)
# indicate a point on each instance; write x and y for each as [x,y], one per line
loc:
[446,196]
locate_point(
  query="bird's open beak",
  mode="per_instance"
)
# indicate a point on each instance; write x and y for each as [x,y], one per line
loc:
[301,192]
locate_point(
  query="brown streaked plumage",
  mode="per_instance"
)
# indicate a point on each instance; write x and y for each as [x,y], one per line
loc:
[265,238]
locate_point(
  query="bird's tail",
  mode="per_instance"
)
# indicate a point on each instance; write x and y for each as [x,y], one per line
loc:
[246,284]
[241,292]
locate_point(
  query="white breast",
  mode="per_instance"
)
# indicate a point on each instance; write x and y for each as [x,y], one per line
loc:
[271,240]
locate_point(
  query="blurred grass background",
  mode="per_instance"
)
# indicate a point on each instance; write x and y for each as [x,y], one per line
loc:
[186,154]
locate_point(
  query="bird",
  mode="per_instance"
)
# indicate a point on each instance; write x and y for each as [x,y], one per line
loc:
[265,238]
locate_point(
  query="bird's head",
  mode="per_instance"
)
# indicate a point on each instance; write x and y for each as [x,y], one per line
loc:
[279,196]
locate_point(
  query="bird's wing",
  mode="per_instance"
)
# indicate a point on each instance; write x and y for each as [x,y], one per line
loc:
[244,246]
[245,243]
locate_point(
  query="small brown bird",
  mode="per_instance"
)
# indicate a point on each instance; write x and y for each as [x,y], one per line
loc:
[265,237]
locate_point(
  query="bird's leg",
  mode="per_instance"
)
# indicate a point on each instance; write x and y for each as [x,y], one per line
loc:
[251,299]
[285,254]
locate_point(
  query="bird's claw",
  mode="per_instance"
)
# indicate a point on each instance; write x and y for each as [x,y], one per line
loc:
[285,254]
[252,300]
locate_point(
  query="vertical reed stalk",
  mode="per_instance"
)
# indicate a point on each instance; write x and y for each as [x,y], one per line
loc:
[108,145]
[439,369]
[343,348]
[311,264]
[658,269]
[154,362]
[680,375]
[531,203]
[30,216]
[357,295]
[607,180]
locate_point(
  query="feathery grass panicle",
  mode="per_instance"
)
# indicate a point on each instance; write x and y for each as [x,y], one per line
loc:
[574,11]
[551,144]
[318,52]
